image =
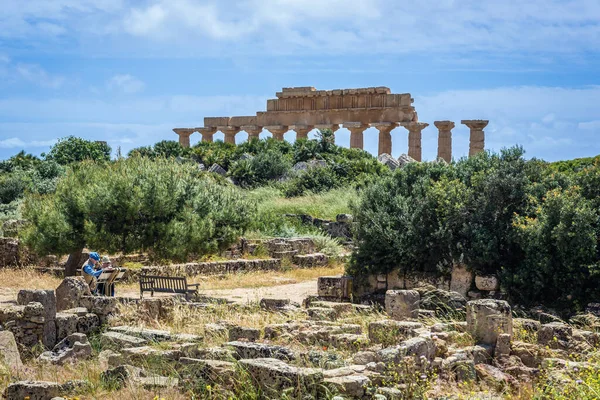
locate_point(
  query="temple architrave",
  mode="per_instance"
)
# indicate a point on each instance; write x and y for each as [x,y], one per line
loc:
[302,109]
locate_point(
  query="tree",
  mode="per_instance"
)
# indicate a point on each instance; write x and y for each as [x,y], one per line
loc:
[73,149]
[168,209]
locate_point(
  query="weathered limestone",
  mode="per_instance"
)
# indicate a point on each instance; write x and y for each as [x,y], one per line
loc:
[461,280]
[402,304]
[9,353]
[70,292]
[414,139]
[253,131]
[207,133]
[273,376]
[445,139]
[246,350]
[487,283]
[33,390]
[48,301]
[335,287]
[302,130]
[385,136]
[229,132]
[75,346]
[26,323]
[487,319]
[356,134]
[184,135]
[477,136]
[277,131]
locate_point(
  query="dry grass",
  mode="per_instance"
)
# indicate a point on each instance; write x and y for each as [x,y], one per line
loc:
[265,278]
[13,280]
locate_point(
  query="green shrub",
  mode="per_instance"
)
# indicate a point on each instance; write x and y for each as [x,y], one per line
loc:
[312,180]
[73,149]
[137,204]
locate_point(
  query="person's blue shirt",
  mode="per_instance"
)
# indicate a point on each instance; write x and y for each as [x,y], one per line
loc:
[89,269]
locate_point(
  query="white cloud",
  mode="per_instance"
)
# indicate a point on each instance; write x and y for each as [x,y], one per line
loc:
[15,143]
[125,83]
[39,76]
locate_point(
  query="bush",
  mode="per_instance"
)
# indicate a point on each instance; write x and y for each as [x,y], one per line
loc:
[137,204]
[73,149]
[259,170]
[496,213]
[312,180]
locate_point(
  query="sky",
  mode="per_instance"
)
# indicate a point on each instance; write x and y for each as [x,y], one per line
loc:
[127,71]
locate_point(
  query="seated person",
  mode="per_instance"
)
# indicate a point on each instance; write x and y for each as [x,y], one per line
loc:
[89,272]
[106,266]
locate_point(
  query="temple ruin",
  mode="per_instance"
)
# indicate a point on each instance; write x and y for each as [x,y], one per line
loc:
[302,109]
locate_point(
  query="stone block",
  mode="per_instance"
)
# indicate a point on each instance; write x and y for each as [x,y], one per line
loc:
[88,324]
[335,287]
[247,350]
[390,332]
[70,292]
[145,353]
[66,324]
[275,376]
[242,332]
[556,335]
[402,304]
[48,301]
[487,283]
[123,340]
[486,319]
[9,352]
[102,306]
[220,372]
[33,390]
[74,347]
[352,386]
[461,280]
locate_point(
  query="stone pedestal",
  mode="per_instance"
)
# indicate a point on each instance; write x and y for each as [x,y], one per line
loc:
[302,131]
[385,136]
[477,136]
[356,134]
[414,139]
[445,139]
[229,132]
[207,133]
[277,131]
[402,304]
[253,131]
[184,135]
[487,319]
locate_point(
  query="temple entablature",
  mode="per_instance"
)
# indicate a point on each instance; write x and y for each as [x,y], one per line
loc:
[302,109]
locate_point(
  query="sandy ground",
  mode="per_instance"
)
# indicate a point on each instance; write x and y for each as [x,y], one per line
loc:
[296,292]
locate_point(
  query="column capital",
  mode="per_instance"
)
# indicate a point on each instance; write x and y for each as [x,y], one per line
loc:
[229,129]
[206,130]
[252,130]
[277,131]
[385,126]
[475,124]
[355,125]
[184,131]
[333,127]
[414,126]
[444,125]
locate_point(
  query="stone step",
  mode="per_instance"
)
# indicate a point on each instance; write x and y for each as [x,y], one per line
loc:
[287,254]
[123,339]
[155,335]
[249,350]
[310,260]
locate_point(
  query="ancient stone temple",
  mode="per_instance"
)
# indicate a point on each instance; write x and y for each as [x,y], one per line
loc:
[303,109]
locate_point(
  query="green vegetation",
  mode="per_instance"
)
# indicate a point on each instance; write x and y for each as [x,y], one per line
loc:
[136,204]
[538,229]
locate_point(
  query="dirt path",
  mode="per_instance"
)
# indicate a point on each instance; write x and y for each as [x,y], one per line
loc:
[296,292]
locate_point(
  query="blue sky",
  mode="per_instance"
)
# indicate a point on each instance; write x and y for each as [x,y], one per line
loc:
[129,71]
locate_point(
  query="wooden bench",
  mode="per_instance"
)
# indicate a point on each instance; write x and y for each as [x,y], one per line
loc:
[166,284]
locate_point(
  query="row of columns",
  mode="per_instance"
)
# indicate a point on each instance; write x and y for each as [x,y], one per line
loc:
[476,142]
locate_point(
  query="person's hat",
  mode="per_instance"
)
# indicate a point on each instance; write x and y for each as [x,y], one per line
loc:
[95,256]
[105,259]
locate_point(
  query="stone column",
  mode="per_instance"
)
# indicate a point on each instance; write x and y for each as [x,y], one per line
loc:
[356,134]
[302,130]
[414,139]
[385,136]
[444,139]
[253,131]
[477,136]
[277,131]
[207,133]
[184,136]
[229,132]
